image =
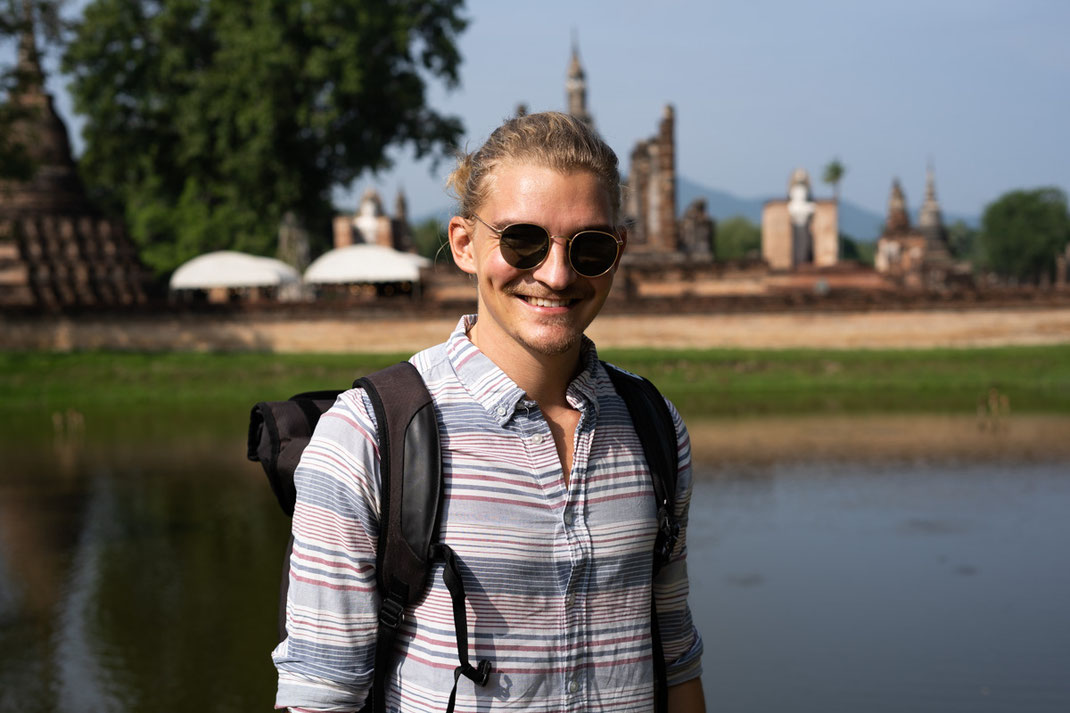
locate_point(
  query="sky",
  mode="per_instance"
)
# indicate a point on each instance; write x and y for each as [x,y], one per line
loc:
[979,89]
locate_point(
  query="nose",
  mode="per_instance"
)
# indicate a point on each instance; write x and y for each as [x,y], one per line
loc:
[556,271]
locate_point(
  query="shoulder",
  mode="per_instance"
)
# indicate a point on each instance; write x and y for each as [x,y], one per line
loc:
[619,378]
[351,415]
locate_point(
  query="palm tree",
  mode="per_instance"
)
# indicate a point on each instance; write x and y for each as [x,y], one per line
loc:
[833,175]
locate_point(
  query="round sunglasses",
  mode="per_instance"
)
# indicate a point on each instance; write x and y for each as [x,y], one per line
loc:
[591,253]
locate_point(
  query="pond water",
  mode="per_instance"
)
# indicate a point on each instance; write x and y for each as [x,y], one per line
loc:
[906,587]
[145,579]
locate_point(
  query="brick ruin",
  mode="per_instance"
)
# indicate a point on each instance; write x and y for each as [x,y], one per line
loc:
[650,197]
[915,258]
[654,233]
[56,250]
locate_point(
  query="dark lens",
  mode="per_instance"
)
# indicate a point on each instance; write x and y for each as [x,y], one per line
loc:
[524,246]
[592,253]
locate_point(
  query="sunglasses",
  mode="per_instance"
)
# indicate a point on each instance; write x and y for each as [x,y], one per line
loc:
[591,253]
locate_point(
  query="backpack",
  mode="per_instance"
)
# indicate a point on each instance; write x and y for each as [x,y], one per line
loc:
[411,467]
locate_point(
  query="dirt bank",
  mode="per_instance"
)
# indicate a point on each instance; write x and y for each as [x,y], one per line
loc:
[407,333]
[879,438]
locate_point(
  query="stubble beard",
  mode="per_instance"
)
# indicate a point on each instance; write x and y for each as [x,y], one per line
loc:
[555,334]
[562,341]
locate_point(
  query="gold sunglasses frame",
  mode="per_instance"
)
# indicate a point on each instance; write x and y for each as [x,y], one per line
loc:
[568,245]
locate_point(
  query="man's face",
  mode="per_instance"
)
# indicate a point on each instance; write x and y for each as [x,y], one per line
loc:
[543,311]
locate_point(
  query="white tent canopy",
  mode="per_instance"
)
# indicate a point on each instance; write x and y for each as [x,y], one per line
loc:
[227,268]
[363,264]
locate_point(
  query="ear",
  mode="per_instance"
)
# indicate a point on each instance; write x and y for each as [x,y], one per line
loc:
[462,243]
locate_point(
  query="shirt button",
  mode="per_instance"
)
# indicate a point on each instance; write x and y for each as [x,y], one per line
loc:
[501,410]
[569,517]
[574,686]
[536,439]
[570,599]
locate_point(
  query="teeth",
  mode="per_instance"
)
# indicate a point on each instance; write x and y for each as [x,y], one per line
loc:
[543,302]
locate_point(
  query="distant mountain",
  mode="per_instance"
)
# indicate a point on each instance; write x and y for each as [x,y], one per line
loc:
[856,221]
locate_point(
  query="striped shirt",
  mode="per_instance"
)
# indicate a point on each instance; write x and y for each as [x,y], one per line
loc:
[558,579]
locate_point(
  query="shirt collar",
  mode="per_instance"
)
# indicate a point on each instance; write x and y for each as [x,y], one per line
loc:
[495,391]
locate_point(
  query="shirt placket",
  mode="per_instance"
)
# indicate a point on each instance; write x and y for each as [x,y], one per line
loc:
[569,508]
[577,588]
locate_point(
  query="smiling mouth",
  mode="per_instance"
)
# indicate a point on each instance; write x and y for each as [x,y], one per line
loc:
[546,302]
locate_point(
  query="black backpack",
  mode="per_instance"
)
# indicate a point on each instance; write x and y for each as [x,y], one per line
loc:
[411,466]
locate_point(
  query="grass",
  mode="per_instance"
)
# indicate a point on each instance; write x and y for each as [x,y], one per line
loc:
[745,382]
[132,394]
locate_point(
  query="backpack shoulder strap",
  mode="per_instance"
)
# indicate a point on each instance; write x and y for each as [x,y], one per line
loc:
[411,501]
[657,432]
[410,467]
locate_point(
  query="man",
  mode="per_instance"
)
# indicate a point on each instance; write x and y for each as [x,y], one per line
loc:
[548,502]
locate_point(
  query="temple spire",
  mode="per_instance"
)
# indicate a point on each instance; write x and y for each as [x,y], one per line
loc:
[931,220]
[930,210]
[30,77]
[898,218]
[576,86]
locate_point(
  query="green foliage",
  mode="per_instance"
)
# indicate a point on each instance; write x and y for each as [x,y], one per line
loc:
[207,120]
[737,238]
[431,240]
[861,252]
[1022,231]
[833,174]
[963,240]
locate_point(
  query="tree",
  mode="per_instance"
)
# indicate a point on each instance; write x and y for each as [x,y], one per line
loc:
[737,239]
[1022,231]
[208,120]
[962,239]
[852,249]
[833,174]
[431,240]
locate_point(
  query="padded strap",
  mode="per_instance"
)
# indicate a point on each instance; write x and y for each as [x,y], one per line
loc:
[411,483]
[654,425]
[657,433]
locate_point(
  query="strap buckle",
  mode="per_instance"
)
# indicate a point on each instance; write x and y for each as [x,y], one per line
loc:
[391,613]
[477,675]
[668,534]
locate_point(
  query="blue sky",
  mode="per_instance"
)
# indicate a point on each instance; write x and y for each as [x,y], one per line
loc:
[979,87]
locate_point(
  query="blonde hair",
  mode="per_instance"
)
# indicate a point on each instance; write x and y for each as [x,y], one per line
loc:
[551,139]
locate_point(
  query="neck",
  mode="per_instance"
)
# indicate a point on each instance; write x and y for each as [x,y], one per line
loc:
[543,377]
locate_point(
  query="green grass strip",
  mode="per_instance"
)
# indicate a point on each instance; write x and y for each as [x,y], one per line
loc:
[131,394]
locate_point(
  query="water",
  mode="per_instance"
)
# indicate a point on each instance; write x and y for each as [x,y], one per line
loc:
[884,588]
[145,579]
[138,582]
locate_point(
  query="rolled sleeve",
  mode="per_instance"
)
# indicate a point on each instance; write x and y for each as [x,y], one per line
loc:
[681,642]
[326,661]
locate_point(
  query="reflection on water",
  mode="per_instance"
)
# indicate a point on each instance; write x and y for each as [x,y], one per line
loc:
[137,584]
[884,588]
[145,578]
